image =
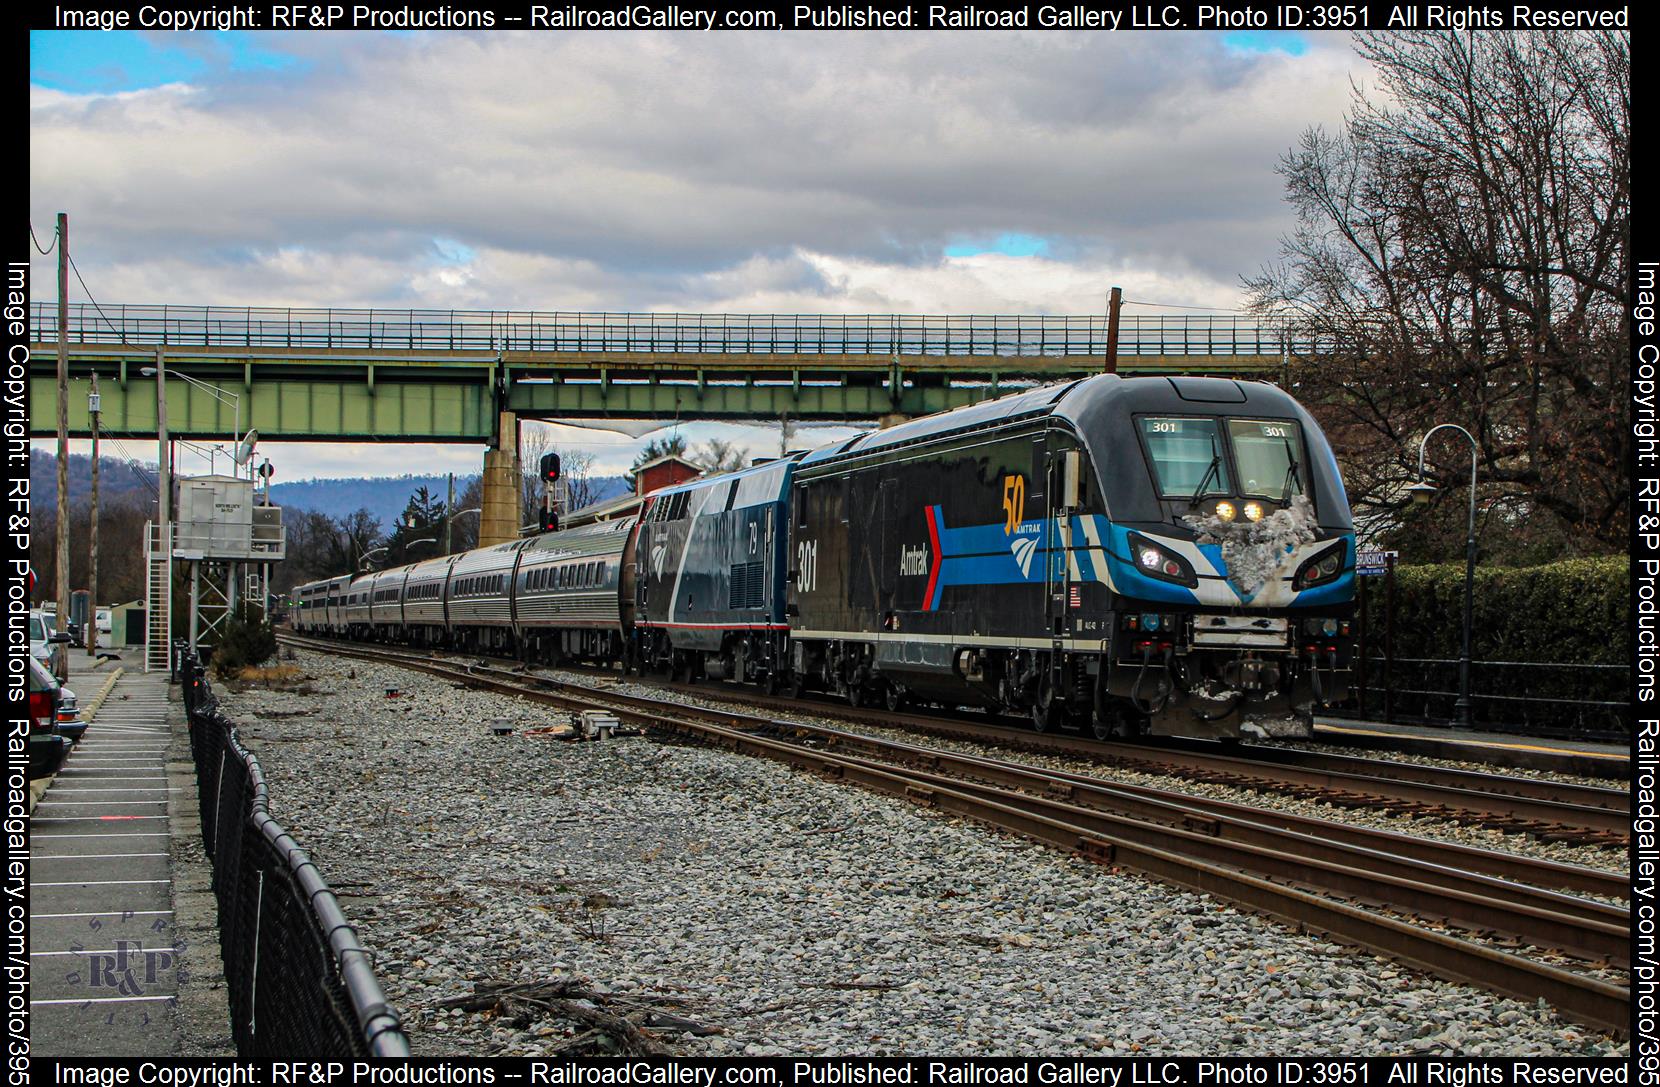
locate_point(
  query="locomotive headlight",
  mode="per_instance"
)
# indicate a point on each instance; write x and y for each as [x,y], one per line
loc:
[1160,562]
[1149,620]
[1253,511]
[1329,628]
[1226,511]
[1320,569]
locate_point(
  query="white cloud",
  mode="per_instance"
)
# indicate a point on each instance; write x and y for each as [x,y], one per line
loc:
[822,172]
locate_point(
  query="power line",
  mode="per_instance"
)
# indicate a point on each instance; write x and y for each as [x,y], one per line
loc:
[1200,309]
[131,461]
[94,301]
[36,240]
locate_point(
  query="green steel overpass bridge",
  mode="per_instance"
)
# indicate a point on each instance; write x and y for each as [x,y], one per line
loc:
[454,375]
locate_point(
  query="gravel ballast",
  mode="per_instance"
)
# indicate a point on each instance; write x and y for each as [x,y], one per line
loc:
[789,914]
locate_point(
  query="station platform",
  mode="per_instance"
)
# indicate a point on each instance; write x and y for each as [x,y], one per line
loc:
[107,951]
[1591,759]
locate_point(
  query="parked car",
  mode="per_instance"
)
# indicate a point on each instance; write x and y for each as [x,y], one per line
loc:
[70,725]
[47,746]
[103,622]
[44,637]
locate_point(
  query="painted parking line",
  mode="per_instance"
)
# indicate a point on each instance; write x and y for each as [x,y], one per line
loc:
[113,834]
[94,951]
[102,883]
[108,913]
[91,818]
[105,999]
[93,856]
[129,789]
[139,777]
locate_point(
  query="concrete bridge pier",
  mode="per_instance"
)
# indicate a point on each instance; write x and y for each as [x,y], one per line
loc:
[499,517]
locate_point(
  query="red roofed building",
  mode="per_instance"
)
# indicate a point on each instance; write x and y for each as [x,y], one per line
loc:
[665,471]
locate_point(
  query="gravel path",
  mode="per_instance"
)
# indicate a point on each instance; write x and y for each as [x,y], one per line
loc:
[794,915]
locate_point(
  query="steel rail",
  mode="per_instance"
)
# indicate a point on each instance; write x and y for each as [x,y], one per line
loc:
[1504,810]
[1556,792]
[1111,839]
[1485,806]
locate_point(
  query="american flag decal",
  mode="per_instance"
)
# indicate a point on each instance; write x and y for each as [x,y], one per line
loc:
[1076,597]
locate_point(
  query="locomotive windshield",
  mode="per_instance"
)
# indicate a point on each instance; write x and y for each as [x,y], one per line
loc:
[1189,460]
[1187,457]
[1266,452]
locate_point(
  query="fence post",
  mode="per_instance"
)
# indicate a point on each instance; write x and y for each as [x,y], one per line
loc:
[1389,638]
[1360,670]
[253,970]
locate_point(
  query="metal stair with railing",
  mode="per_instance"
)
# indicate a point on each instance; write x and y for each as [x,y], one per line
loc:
[158,598]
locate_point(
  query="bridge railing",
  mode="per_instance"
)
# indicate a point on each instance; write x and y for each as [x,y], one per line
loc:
[681,333]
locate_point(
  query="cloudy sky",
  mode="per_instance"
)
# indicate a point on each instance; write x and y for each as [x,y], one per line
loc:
[914,172]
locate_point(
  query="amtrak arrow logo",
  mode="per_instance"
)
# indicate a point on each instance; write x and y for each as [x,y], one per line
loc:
[1024,547]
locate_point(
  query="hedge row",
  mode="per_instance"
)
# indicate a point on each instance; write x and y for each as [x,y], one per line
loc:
[1577,611]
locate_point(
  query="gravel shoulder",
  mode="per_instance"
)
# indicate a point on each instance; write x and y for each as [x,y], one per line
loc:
[790,914]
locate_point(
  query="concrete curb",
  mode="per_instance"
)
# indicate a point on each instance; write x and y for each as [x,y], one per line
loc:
[91,710]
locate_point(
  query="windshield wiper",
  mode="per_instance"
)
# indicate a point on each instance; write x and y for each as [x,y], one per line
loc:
[1215,469]
[1291,473]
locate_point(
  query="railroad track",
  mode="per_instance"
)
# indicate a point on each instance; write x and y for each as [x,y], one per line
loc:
[1348,883]
[1548,810]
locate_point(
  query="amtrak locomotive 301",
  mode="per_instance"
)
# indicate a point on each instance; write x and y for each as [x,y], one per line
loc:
[1171,556]
[1142,555]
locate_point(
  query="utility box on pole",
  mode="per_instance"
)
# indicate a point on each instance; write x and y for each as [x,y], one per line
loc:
[229,542]
[216,519]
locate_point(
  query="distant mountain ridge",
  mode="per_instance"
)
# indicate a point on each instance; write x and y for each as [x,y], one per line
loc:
[384,497]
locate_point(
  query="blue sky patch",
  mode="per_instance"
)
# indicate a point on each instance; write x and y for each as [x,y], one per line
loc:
[1009,245]
[451,251]
[1265,41]
[109,62]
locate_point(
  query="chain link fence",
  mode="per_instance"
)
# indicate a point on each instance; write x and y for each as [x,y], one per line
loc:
[300,985]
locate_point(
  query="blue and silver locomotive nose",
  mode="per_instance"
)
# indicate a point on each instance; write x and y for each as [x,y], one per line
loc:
[1149,565]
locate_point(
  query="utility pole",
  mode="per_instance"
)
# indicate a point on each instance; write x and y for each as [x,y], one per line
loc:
[163,461]
[93,405]
[1113,307]
[63,439]
[449,513]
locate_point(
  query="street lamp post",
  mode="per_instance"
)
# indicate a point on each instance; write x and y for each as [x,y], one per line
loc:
[1422,492]
[233,399]
[363,563]
[449,523]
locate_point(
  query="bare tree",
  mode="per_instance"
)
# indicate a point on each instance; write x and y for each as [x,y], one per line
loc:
[1462,254]
[575,470]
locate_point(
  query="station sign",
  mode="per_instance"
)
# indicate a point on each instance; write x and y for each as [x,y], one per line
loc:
[1374,563]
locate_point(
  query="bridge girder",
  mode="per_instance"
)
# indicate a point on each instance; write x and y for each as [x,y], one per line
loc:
[322,395]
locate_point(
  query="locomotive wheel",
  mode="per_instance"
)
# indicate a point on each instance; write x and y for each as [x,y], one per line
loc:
[1046,718]
[855,694]
[1114,724]
[797,685]
[895,698]
[770,683]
